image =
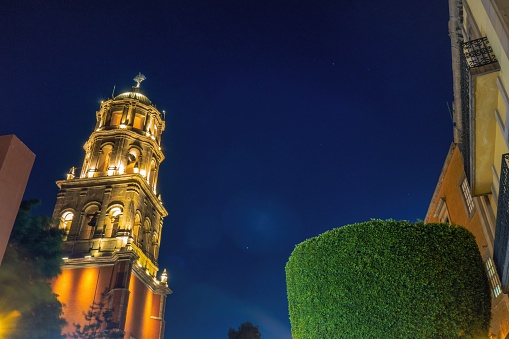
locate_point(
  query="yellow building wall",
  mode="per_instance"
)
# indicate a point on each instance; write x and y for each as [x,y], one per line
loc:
[489,98]
[485,126]
[487,24]
[491,134]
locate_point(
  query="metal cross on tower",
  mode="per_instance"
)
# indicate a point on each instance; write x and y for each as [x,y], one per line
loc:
[139,78]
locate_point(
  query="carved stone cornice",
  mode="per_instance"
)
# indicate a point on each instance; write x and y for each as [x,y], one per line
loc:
[109,260]
[116,132]
[118,179]
[154,285]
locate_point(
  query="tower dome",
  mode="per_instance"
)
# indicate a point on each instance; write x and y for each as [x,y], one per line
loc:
[134,95]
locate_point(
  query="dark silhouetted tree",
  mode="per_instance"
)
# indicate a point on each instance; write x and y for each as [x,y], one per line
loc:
[245,331]
[32,258]
[98,321]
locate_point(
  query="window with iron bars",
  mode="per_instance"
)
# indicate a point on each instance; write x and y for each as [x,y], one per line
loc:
[467,195]
[493,278]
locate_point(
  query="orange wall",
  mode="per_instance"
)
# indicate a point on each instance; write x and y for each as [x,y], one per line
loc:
[76,289]
[143,304]
[450,190]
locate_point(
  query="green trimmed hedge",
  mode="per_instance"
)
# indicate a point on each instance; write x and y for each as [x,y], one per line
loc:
[388,279]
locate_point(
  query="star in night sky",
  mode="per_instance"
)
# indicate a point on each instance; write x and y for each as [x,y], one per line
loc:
[284,119]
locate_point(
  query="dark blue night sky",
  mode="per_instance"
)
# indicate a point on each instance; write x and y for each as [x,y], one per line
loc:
[284,119]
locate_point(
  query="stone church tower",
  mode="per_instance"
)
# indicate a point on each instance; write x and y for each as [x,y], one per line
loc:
[112,217]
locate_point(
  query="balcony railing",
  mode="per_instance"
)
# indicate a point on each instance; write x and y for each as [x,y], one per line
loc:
[502,225]
[478,53]
[465,84]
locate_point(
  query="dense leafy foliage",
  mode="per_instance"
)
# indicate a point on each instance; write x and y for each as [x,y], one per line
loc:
[245,331]
[388,279]
[32,258]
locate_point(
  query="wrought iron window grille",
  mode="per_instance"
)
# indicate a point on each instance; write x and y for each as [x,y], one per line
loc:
[478,52]
[501,255]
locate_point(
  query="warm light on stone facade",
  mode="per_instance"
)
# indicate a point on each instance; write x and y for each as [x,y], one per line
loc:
[113,219]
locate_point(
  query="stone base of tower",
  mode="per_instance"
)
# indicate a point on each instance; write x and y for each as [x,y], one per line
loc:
[136,299]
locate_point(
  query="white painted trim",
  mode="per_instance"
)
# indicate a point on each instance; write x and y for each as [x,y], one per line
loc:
[501,88]
[500,123]
[503,93]
[494,192]
[496,183]
[498,24]
[486,222]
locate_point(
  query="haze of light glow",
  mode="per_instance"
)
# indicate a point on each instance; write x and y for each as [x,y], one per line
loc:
[8,322]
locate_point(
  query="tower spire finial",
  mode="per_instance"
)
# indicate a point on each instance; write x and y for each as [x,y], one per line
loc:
[139,78]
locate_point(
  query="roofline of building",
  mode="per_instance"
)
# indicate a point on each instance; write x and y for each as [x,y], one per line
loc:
[440,180]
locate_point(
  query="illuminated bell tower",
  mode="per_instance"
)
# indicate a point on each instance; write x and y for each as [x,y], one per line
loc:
[112,218]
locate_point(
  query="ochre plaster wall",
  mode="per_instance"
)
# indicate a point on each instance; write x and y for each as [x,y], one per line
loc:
[450,190]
